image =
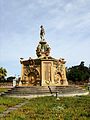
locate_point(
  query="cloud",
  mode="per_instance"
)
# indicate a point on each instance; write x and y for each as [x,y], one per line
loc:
[67,25]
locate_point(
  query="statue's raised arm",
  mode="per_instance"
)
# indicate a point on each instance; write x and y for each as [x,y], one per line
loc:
[42,33]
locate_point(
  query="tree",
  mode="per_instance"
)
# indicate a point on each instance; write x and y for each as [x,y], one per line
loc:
[3,73]
[10,79]
[78,73]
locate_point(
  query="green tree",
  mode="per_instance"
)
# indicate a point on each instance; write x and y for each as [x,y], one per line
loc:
[3,73]
[78,73]
[10,79]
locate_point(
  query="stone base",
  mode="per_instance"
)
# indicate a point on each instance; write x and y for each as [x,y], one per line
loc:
[31,91]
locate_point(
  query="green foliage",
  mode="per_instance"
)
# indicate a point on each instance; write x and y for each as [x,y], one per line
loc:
[3,73]
[10,79]
[49,108]
[3,90]
[78,73]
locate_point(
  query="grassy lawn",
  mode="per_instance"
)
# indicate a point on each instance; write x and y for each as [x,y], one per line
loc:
[49,108]
[4,89]
[6,102]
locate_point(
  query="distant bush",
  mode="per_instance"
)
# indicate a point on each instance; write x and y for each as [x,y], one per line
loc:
[10,79]
[79,73]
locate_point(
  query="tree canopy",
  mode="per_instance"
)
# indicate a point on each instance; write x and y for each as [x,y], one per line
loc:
[3,73]
[78,73]
[10,79]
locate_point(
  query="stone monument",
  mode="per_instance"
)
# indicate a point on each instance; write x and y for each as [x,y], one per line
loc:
[44,70]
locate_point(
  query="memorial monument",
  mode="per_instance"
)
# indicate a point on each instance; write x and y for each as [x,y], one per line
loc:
[44,70]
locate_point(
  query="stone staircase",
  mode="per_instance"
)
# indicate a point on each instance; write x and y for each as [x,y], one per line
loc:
[43,90]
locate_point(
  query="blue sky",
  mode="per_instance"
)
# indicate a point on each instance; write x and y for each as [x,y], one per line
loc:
[67,26]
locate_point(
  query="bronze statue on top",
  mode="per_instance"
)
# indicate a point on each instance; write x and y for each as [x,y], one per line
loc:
[42,33]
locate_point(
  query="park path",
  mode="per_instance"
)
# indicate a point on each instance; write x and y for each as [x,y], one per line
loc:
[10,109]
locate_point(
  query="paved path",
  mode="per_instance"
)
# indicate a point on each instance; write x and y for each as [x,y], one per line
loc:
[54,94]
[10,109]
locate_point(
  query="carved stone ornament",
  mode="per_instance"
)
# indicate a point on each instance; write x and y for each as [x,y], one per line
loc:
[43,49]
[27,70]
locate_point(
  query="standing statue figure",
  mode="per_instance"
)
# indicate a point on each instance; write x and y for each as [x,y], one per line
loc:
[42,33]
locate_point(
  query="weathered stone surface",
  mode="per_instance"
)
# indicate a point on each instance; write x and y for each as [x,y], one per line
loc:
[44,70]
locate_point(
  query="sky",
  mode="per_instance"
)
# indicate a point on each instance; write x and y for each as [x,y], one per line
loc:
[66,24]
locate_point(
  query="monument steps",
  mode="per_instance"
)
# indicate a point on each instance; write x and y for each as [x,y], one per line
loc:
[29,90]
[43,90]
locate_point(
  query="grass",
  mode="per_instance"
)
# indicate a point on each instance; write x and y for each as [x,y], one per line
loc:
[4,89]
[6,102]
[49,108]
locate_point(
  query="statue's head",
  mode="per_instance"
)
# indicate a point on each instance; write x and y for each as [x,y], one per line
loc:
[41,26]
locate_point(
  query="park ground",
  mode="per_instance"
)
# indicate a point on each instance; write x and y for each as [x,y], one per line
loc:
[45,108]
